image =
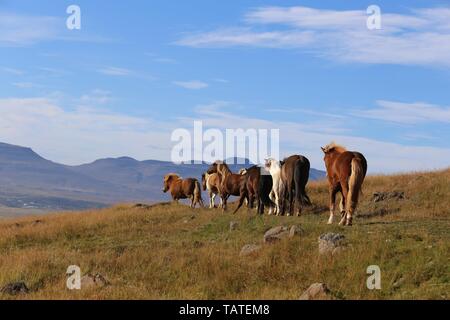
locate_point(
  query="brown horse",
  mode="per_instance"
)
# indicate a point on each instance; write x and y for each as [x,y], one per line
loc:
[294,177]
[229,182]
[211,182]
[346,171]
[183,189]
[255,186]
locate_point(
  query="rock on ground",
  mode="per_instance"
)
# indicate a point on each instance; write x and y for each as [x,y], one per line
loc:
[296,230]
[331,243]
[275,234]
[382,196]
[15,288]
[249,249]
[317,291]
[89,281]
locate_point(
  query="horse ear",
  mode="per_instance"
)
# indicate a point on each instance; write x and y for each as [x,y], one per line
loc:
[323,149]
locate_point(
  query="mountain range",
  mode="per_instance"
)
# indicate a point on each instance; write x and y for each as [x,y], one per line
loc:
[28,181]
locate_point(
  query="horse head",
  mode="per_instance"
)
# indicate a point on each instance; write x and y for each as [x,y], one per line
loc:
[168,179]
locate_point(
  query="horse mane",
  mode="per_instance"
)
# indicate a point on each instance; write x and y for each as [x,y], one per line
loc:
[334,146]
[172,175]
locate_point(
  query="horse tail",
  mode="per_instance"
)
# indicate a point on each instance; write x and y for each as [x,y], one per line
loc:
[355,182]
[198,193]
[301,177]
[265,188]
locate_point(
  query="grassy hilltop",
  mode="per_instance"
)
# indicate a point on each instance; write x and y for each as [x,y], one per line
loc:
[173,252]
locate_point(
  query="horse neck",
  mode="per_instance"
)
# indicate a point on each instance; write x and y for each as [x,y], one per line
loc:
[275,168]
[225,170]
[332,160]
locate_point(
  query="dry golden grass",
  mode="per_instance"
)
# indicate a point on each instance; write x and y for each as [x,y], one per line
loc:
[173,252]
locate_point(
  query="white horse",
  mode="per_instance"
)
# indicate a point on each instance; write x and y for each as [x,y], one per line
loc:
[274,167]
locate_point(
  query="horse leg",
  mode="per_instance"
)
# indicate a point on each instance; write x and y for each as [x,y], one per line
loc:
[291,202]
[224,202]
[344,192]
[342,207]
[211,199]
[333,191]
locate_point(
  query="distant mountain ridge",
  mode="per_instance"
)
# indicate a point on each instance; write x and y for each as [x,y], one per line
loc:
[27,180]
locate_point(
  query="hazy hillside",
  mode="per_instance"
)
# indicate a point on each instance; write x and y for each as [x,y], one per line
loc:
[28,181]
[172,252]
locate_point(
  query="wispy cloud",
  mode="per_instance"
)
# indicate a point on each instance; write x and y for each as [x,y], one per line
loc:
[115,71]
[407,113]
[96,97]
[306,137]
[24,85]
[192,85]
[124,72]
[19,30]
[82,134]
[420,37]
[306,111]
[12,71]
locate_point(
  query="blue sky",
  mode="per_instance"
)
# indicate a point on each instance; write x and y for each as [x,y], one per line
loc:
[139,69]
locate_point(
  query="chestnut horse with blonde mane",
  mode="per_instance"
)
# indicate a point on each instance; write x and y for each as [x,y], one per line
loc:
[183,189]
[346,171]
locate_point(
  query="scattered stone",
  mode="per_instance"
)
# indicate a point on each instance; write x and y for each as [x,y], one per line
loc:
[15,288]
[233,225]
[249,249]
[382,196]
[398,283]
[296,230]
[329,242]
[142,206]
[275,234]
[317,291]
[89,281]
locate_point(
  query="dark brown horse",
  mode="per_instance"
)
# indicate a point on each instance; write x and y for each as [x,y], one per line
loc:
[183,189]
[229,182]
[255,186]
[346,171]
[294,177]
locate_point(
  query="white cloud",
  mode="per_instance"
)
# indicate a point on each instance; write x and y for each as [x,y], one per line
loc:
[96,97]
[307,138]
[12,71]
[114,71]
[20,30]
[124,72]
[421,37]
[83,134]
[408,113]
[24,85]
[192,85]
[246,37]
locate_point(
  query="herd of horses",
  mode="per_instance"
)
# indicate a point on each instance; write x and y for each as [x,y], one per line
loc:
[279,186]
